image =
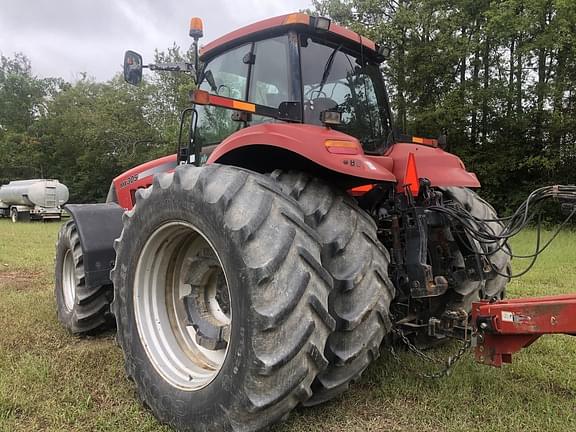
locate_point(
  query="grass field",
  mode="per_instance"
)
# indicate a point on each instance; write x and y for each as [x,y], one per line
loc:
[51,381]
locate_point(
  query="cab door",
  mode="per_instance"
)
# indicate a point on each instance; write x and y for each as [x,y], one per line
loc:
[258,72]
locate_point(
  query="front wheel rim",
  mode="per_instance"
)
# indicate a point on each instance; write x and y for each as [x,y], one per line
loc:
[68,280]
[182,305]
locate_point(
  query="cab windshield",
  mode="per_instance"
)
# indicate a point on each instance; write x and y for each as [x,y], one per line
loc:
[350,86]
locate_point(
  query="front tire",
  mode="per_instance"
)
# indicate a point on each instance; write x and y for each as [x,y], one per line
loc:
[248,360]
[81,310]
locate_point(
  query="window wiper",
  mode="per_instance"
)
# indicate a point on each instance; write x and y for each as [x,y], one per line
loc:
[210,78]
[328,67]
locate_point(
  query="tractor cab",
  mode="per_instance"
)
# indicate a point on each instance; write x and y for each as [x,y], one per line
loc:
[298,69]
[293,68]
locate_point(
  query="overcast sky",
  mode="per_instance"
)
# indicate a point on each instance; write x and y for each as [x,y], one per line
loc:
[65,37]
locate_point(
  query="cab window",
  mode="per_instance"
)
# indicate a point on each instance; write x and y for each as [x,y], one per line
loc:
[270,81]
[350,86]
[226,75]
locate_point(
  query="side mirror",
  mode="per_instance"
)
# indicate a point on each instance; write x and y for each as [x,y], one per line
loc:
[132,67]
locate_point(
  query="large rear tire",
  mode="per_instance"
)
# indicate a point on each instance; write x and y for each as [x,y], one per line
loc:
[499,259]
[358,263]
[80,310]
[221,300]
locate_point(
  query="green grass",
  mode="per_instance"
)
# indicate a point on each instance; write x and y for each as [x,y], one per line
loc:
[51,381]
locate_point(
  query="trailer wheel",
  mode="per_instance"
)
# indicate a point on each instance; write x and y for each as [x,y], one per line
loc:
[500,260]
[362,292]
[80,310]
[18,216]
[221,300]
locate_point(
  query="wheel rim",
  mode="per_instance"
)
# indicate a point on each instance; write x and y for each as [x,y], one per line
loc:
[69,280]
[181,306]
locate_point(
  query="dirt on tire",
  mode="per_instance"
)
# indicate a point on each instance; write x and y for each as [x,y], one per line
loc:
[358,263]
[278,298]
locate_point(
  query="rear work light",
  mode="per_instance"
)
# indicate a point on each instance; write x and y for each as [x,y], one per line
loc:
[342,147]
[331,118]
[384,51]
[320,23]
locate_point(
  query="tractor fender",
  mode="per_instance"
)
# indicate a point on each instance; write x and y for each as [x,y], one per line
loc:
[98,226]
[443,169]
[253,148]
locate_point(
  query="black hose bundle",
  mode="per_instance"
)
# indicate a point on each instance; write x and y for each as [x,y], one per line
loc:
[483,233]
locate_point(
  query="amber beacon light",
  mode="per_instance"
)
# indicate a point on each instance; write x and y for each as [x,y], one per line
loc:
[196,28]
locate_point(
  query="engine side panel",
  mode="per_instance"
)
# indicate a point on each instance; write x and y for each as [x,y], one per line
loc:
[140,177]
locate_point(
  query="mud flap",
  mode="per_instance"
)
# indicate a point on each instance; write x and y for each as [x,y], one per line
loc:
[98,226]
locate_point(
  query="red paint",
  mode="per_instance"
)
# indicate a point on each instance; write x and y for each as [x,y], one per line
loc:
[309,142]
[517,323]
[271,23]
[441,168]
[438,166]
[140,177]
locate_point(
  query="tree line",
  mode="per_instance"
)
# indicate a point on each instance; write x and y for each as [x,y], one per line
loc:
[85,133]
[498,77]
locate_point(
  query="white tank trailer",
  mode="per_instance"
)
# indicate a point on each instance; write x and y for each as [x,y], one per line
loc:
[38,199]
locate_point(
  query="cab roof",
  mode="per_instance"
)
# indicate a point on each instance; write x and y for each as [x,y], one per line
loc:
[294,20]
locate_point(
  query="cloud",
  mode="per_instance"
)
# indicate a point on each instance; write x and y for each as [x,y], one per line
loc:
[66,37]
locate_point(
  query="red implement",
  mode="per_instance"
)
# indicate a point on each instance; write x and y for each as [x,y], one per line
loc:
[505,327]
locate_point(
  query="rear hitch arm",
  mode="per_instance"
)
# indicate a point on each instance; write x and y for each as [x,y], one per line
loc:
[416,221]
[502,328]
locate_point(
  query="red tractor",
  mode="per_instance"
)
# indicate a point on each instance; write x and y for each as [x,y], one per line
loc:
[263,265]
